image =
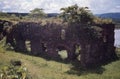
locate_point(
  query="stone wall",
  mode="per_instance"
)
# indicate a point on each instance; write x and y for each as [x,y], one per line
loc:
[108,35]
[95,50]
[100,51]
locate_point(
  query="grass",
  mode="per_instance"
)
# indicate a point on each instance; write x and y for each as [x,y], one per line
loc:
[40,68]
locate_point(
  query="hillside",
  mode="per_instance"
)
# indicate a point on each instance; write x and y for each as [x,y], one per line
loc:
[114,16]
[41,68]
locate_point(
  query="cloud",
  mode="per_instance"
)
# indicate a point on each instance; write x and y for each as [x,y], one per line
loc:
[50,6]
[104,6]
[118,6]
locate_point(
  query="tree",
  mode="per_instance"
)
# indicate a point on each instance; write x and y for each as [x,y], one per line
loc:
[37,13]
[4,15]
[76,14]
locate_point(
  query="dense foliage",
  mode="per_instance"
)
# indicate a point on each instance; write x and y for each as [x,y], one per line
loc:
[37,13]
[73,14]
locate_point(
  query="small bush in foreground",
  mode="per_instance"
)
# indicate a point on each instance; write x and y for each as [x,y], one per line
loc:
[14,71]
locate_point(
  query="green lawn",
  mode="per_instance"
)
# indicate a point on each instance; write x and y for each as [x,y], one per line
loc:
[40,68]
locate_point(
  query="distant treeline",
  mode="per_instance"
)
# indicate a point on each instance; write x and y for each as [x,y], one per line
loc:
[114,16]
[25,14]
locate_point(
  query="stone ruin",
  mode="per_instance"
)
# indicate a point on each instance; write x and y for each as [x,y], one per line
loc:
[95,51]
[99,51]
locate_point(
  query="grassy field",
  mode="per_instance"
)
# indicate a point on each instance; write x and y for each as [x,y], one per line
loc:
[40,68]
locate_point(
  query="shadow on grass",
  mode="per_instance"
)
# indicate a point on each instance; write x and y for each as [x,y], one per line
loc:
[43,55]
[76,68]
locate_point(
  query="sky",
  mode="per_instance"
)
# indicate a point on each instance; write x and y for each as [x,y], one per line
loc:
[53,6]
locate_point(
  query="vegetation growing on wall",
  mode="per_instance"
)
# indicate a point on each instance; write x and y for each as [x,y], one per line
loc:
[73,14]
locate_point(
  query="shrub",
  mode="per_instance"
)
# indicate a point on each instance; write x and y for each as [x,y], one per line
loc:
[14,71]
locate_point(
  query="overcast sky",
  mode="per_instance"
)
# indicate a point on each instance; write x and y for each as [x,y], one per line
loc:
[53,6]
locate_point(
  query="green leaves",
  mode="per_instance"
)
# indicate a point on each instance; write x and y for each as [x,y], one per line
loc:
[76,14]
[13,72]
[37,13]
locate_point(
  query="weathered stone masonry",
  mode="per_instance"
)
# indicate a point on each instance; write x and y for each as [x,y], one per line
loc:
[100,51]
[94,51]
